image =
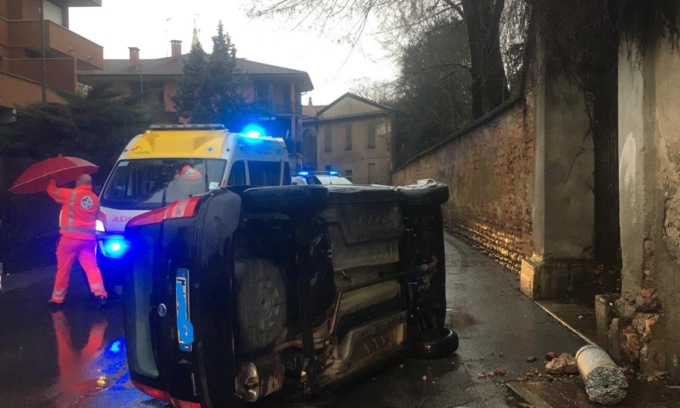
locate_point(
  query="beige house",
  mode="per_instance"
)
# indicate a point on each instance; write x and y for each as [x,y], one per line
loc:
[353,135]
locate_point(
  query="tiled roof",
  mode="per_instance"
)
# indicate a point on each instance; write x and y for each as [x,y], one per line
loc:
[173,66]
[311,110]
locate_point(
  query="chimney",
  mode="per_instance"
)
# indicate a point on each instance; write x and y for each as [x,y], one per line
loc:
[310,101]
[176,47]
[134,56]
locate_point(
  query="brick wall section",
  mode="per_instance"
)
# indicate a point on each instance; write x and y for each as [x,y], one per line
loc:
[488,169]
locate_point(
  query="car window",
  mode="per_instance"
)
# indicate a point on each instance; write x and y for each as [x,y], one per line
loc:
[323,179]
[151,183]
[237,176]
[264,173]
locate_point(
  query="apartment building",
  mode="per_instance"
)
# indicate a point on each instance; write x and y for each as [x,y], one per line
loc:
[30,72]
[352,135]
[275,90]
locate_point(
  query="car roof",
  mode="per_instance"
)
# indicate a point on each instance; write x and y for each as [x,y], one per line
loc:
[331,179]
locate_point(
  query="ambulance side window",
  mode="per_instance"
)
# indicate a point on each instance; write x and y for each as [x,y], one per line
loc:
[237,175]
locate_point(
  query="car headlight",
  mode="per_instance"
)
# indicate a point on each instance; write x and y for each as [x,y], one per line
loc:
[99,226]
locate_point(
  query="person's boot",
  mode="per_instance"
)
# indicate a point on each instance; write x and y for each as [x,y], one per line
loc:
[54,306]
[102,301]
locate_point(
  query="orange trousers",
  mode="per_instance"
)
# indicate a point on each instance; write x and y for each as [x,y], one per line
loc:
[68,250]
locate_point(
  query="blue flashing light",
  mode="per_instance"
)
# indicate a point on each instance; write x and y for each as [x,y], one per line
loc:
[334,173]
[253,130]
[115,247]
[115,347]
[303,173]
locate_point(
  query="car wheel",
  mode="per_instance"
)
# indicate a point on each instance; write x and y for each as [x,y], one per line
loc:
[436,195]
[443,346]
[321,399]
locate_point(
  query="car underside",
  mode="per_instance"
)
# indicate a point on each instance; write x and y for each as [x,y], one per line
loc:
[277,293]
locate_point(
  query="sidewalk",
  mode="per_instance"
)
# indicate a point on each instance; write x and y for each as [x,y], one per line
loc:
[570,392]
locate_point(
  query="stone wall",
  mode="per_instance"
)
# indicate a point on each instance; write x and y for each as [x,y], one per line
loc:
[489,171]
[645,328]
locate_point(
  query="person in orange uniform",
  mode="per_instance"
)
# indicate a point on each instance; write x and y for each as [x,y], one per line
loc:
[77,223]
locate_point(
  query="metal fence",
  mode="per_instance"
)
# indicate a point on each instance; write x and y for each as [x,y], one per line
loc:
[28,223]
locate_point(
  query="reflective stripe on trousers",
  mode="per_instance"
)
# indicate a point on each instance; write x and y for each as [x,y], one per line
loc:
[68,250]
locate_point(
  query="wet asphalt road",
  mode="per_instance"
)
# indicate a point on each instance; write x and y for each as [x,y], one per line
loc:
[76,358]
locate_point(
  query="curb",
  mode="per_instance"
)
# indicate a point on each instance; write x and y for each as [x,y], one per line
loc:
[524,397]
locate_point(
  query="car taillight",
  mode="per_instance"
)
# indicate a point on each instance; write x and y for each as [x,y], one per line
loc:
[156,393]
[165,397]
[183,208]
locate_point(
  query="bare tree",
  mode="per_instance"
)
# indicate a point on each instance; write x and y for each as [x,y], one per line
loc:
[403,18]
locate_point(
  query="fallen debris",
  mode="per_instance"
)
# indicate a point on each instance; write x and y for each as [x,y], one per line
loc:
[532,359]
[605,382]
[549,356]
[500,371]
[564,364]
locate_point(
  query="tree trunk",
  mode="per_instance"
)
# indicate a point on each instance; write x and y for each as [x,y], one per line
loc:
[489,83]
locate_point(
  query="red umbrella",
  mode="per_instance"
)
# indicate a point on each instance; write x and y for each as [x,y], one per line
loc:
[64,169]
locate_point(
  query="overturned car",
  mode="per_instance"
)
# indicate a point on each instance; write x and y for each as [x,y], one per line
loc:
[276,294]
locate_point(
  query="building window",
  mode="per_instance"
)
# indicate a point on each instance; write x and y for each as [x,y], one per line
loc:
[371,135]
[327,141]
[348,175]
[348,137]
[371,173]
[263,95]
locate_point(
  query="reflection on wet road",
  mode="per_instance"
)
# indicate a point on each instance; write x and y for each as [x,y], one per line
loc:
[70,358]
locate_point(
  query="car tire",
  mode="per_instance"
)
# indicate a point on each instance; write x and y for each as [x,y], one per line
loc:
[438,194]
[440,347]
[321,399]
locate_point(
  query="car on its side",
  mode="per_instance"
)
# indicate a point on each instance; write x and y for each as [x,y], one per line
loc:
[319,178]
[277,294]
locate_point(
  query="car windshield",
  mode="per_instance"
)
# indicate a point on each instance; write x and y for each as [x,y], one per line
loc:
[323,179]
[151,183]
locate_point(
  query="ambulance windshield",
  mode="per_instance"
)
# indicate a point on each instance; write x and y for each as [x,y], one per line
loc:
[144,184]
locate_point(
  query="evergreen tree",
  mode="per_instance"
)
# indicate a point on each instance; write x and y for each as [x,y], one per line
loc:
[188,100]
[208,88]
[95,126]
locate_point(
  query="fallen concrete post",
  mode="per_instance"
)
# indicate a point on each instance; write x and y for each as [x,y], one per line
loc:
[605,382]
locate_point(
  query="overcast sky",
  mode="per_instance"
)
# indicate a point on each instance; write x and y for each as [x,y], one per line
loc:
[151,24]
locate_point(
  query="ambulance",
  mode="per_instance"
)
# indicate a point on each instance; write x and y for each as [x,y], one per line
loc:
[170,162]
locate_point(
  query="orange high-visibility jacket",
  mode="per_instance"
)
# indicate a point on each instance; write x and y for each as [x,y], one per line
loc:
[79,207]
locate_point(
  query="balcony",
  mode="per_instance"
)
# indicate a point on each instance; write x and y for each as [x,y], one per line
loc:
[84,3]
[19,92]
[60,42]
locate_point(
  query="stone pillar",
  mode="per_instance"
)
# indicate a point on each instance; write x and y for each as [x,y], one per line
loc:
[563,201]
[647,313]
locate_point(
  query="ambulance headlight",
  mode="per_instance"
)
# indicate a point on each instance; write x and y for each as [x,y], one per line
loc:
[99,226]
[115,247]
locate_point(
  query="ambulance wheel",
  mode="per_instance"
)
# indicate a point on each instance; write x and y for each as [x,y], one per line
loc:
[285,198]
